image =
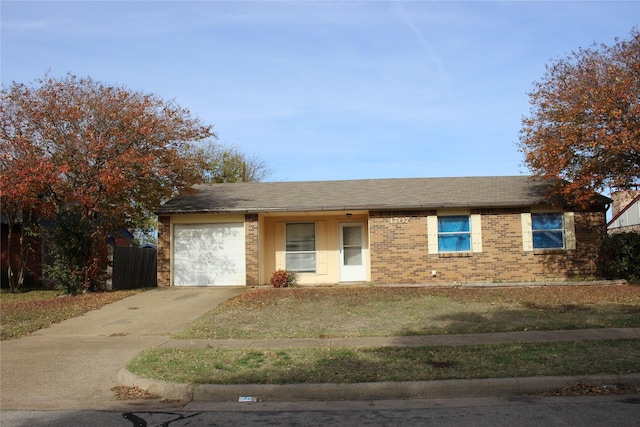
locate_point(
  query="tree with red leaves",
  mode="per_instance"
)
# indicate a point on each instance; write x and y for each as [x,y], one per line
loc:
[103,155]
[26,180]
[584,123]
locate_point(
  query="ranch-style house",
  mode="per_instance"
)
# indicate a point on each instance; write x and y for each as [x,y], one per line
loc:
[381,231]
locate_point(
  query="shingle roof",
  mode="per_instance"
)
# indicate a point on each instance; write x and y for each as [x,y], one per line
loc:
[368,194]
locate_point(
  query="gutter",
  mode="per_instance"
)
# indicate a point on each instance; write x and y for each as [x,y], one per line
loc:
[256,210]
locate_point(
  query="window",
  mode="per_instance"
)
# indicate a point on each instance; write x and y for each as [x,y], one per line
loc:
[301,247]
[547,230]
[454,233]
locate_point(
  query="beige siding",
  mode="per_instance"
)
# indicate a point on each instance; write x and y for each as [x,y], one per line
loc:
[327,246]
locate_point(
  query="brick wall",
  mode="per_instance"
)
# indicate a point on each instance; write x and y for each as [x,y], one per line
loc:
[252,250]
[164,249]
[399,251]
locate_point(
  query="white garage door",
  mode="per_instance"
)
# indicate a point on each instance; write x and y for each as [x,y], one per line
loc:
[208,254]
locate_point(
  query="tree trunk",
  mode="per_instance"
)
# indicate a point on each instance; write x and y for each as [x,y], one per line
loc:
[11,273]
[17,273]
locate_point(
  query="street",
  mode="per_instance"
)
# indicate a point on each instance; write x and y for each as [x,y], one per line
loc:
[523,411]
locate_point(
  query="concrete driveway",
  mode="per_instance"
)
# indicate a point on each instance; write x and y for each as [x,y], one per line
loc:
[73,364]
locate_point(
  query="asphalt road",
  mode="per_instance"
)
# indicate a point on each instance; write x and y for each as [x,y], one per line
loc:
[523,411]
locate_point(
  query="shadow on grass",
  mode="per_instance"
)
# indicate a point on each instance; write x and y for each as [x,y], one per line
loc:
[534,317]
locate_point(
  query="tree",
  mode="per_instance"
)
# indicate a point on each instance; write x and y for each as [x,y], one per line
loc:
[220,164]
[584,123]
[111,156]
[26,179]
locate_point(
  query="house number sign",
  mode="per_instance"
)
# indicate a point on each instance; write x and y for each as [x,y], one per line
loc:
[399,220]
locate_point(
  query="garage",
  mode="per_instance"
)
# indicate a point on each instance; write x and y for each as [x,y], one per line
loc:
[209,254]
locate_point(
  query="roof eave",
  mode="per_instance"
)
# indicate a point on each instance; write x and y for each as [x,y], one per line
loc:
[429,206]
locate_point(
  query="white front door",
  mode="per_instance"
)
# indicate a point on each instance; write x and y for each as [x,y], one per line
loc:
[352,252]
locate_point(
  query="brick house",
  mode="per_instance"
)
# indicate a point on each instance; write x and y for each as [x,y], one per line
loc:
[383,231]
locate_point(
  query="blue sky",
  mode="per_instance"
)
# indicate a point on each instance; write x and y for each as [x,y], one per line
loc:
[324,90]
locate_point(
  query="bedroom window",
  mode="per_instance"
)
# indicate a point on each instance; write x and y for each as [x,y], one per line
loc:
[454,233]
[547,230]
[542,231]
[301,247]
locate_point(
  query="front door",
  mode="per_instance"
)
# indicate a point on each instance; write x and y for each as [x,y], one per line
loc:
[352,252]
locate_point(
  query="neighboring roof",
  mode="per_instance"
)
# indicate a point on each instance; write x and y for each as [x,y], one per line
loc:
[368,194]
[120,233]
[624,210]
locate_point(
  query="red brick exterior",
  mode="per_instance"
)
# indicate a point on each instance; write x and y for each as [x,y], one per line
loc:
[164,251]
[252,250]
[399,251]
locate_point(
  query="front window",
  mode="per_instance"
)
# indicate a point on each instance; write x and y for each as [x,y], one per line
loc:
[301,247]
[548,230]
[454,233]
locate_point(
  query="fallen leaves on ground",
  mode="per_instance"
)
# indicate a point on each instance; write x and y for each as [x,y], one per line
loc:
[132,393]
[592,390]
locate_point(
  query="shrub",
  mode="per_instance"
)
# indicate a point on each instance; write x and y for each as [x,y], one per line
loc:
[282,278]
[66,278]
[619,257]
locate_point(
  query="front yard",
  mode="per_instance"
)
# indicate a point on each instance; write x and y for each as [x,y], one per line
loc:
[27,312]
[388,311]
[372,311]
[380,311]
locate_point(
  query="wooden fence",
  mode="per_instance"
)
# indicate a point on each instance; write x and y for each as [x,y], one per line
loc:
[134,268]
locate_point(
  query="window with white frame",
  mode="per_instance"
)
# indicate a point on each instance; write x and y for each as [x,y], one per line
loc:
[454,233]
[301,247]
[548,230]
[450,232]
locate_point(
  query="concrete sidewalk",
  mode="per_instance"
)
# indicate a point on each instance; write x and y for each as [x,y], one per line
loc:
[76,363]
[416,341]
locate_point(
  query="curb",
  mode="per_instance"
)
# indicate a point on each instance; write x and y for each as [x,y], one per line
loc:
[366,391]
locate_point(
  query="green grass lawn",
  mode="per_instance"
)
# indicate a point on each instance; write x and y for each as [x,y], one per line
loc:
[322,365]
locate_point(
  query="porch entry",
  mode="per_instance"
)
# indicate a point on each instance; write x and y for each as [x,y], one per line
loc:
[352,252]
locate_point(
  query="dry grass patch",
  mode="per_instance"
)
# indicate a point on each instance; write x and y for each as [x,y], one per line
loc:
[27,312]
[387,311]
